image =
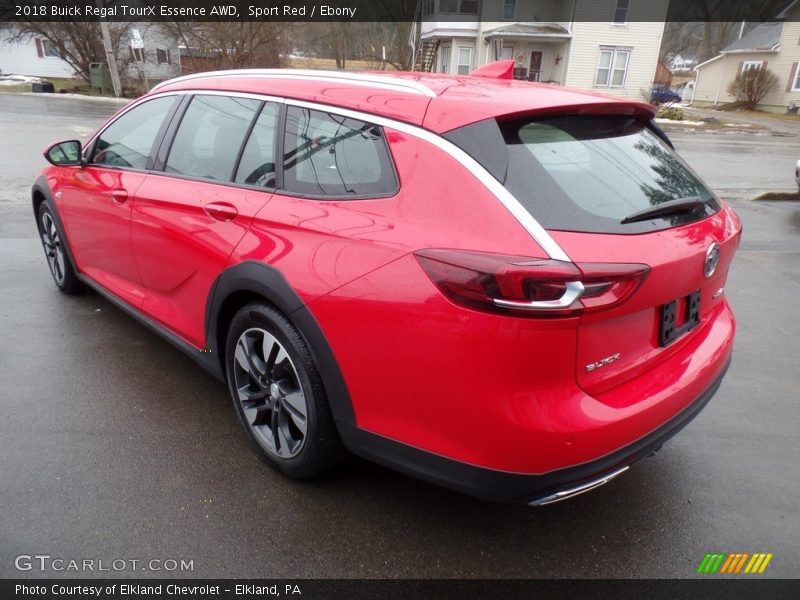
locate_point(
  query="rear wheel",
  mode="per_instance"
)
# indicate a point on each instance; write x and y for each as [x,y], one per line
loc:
[55,252]
[278,394]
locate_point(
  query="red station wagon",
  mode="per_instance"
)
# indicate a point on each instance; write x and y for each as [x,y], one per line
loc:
[514,290]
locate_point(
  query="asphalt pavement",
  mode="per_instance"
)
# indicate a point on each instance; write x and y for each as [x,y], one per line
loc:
[115,446]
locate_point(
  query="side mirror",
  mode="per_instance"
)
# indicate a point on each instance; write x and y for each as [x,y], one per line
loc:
[64,153]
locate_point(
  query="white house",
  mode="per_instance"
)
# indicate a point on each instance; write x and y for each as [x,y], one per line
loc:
[31,56]
[602,45]
[35,56]
[774,46]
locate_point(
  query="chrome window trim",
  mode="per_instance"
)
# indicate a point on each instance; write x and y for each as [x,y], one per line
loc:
[363,79]
[539,234]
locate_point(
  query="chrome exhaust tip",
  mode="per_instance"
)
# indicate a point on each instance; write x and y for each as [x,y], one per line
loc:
[577,491]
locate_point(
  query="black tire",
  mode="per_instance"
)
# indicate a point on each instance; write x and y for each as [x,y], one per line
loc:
[270,370]
[55,251]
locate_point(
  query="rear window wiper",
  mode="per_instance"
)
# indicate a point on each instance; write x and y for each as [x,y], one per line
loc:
[671,207]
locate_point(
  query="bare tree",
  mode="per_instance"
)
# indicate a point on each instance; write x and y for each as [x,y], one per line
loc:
[232,45]
[707,26]
[752,85]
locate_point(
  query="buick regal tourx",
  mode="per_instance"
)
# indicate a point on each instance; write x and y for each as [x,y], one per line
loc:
[513,290]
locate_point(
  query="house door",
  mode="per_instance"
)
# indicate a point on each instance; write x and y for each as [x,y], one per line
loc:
[536,65]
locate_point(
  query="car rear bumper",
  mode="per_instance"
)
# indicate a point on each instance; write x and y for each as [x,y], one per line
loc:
[501,486]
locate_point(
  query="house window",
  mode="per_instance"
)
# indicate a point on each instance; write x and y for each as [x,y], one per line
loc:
[459,7]
[506,53]
[621,12]
[796,81]
[751,64]
[612,67]
[509,9]
[464,60]
[444,64]
[137,54]
[162,56]
[427,8]
[45,48]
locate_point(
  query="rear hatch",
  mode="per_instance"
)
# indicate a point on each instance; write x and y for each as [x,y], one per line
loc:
[615,195]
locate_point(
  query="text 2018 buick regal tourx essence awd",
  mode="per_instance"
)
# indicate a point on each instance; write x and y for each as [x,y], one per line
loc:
[513,290]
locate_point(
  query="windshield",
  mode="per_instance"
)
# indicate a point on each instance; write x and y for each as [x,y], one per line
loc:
[588,173]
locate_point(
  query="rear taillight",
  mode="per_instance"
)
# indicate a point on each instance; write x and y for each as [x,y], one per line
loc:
[529,286]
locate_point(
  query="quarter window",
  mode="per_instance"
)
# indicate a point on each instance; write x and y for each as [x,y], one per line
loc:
[210,136]
[330,155]
[128,141]
[612,67]
[257,165]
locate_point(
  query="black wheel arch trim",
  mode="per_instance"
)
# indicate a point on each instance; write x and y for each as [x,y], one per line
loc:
[41,186]
[268,283]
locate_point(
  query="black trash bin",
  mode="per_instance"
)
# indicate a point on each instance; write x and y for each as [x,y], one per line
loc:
[45,87]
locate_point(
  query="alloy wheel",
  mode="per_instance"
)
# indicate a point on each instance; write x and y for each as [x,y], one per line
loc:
[270,394]
[53,249]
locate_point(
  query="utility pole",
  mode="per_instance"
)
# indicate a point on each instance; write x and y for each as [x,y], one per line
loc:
[112,62]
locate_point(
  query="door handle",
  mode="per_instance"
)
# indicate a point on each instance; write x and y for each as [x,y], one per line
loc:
[221,211]
[119,196]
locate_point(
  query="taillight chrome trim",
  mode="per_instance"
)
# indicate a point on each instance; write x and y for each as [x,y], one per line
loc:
[573,291]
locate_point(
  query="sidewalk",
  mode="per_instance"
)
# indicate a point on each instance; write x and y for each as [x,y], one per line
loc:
[775,123]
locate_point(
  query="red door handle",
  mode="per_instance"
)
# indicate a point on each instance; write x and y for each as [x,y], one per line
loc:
[221,211]
[119,196]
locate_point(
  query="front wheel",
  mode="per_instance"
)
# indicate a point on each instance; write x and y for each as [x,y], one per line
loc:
[278,394]
[55,252]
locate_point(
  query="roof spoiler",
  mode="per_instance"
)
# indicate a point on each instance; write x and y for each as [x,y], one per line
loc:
[501,69]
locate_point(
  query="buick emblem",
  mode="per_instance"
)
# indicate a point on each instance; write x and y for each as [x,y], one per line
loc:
[712,260]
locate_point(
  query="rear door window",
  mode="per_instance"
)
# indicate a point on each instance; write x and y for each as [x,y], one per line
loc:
[257,165]
[210,136]
[332,156]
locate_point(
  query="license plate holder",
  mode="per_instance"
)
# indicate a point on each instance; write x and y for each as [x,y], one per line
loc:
[670,329]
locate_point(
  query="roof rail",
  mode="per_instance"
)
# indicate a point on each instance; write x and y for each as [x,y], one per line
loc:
[365,79]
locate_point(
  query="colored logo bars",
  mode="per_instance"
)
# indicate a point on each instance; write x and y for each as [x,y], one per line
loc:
[734,563]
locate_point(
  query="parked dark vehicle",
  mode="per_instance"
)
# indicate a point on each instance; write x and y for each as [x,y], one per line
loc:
[663,95]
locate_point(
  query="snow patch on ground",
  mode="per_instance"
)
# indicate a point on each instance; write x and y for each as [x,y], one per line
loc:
[18,79]
[660,120]
[82,96]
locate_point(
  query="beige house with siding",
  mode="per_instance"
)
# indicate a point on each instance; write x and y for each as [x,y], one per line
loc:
[774,46]
[609,46]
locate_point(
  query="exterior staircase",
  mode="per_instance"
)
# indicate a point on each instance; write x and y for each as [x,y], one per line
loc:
[426,56]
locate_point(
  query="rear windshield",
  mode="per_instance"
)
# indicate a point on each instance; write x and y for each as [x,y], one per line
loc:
[588,173]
